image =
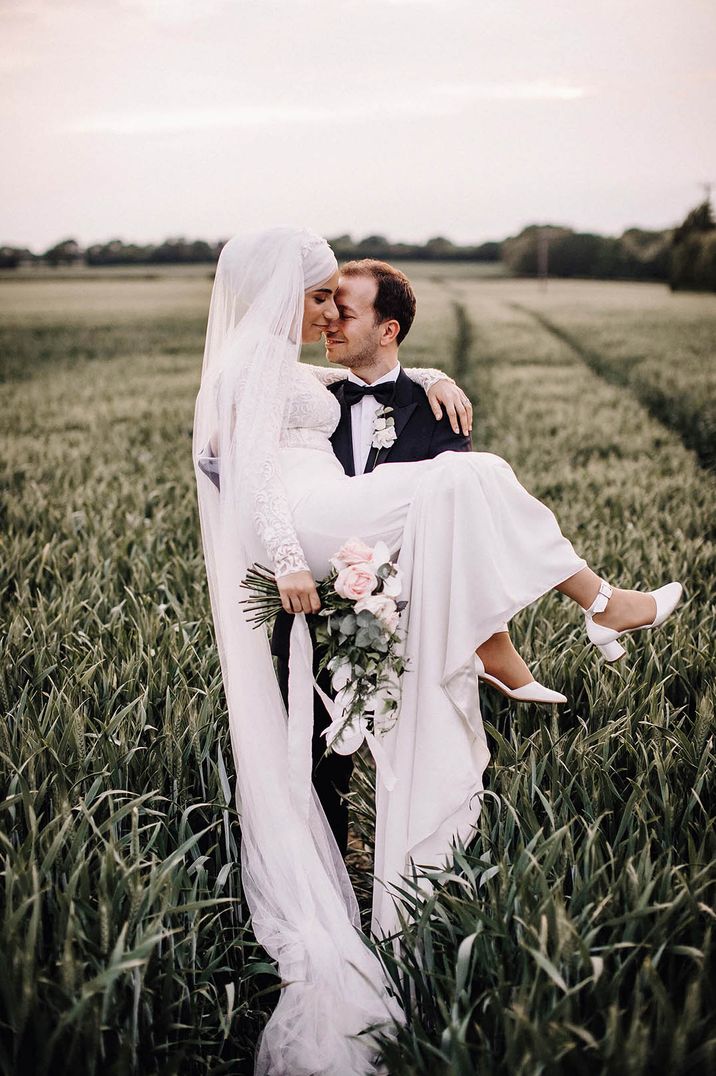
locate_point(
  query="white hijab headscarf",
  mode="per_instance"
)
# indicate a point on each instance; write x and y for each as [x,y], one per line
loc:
[304,911]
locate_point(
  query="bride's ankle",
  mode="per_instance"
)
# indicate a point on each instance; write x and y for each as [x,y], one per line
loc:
[502,661]
[626,609]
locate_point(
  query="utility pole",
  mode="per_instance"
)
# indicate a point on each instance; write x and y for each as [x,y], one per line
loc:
[543,258]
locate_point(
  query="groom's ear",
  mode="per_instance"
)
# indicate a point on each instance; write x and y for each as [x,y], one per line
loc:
[389,332]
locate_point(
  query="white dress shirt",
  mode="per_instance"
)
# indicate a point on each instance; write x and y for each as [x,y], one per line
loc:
[363,416]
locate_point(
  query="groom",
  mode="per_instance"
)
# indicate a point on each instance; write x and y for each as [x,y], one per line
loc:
[376,307]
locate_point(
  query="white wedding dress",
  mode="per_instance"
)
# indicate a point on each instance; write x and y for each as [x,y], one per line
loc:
[474,548]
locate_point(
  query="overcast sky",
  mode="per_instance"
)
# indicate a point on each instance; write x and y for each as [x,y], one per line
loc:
[413,118]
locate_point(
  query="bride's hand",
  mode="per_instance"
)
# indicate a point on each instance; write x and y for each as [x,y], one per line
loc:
[455,402]
[298,592]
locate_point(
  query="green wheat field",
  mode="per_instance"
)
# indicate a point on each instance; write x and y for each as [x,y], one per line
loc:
[575,934]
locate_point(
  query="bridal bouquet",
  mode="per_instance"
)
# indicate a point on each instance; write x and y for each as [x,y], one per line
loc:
[357,633]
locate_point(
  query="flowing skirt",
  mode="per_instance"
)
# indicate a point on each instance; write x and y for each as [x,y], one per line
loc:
[474,547]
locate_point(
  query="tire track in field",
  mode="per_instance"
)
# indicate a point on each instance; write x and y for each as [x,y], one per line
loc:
[662,406]
[475,378]
[463,369]
[463,341]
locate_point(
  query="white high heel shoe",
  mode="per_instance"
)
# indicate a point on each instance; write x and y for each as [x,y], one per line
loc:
[532,692]
[606,639]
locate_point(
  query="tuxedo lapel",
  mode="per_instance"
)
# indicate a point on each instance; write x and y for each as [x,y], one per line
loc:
[403,407]
[342,439]
[401,416]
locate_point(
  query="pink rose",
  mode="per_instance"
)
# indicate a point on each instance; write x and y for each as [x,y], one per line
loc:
[353,552]
[383,609]
[356,582]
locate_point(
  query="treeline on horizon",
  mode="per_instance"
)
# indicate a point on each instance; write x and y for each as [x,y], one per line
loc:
[683,257]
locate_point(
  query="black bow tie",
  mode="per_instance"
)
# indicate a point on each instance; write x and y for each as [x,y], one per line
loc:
[353,393]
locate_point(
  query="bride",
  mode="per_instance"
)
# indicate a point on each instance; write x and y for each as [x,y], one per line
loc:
[474,548]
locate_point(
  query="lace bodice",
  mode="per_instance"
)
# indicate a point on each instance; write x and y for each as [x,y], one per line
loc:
[312,413]
[310,417]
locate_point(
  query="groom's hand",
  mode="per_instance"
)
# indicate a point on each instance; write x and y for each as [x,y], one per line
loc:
[455,402]
[298,592]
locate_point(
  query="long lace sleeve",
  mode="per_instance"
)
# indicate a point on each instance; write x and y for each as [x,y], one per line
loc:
[262,491]
[426,377]
[327,375]
[274,522]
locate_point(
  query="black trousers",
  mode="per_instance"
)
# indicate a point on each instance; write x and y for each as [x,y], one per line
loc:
[332,774]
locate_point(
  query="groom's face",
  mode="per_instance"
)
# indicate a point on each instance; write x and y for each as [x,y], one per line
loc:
[353,338]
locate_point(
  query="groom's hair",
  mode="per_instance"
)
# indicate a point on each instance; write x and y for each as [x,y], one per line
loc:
[394,298]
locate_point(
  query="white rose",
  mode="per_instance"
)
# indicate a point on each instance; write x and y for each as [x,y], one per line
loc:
[383,609]
[380,555]
[384,438]
[393,585]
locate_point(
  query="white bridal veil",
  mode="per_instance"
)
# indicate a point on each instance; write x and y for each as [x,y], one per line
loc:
[303,907]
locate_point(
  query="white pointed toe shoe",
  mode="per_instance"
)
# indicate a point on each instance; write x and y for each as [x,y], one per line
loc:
[607,639]
[532,692]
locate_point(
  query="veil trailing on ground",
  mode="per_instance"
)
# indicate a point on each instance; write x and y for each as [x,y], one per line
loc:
[303,907]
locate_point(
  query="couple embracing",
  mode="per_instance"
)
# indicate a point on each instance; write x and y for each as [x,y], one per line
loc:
[292,461]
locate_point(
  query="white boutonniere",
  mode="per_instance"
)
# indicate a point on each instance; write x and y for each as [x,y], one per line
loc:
[384,434]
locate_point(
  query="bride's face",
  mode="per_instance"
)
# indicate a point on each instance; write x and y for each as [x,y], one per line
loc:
[319,308]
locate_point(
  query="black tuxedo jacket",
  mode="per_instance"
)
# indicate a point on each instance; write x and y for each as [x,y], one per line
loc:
[419,436]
